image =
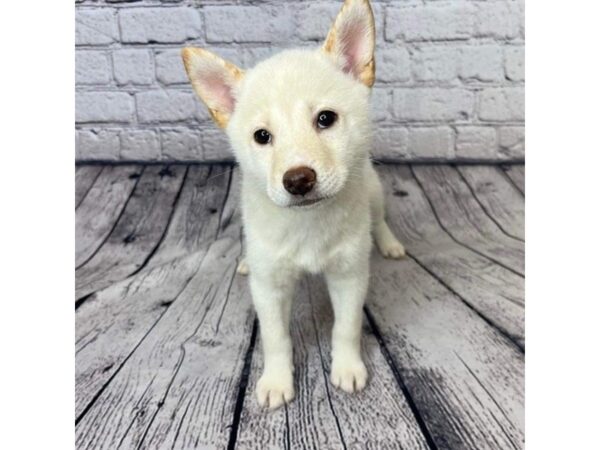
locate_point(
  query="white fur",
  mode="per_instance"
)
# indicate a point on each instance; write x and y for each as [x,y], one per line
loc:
[283,95]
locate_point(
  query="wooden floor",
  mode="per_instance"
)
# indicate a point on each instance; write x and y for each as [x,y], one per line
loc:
[167,350]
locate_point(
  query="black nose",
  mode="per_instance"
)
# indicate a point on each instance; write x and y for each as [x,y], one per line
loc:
[299,181]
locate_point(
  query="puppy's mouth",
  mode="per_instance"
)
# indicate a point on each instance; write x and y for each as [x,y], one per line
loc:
[307,202]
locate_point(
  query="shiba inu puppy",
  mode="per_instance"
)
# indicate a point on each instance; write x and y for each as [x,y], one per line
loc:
[299,126]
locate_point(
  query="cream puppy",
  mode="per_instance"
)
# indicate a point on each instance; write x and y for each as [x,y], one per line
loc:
[299,126]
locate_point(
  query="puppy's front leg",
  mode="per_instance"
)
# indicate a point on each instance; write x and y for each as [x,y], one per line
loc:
[348,290]
[272,296]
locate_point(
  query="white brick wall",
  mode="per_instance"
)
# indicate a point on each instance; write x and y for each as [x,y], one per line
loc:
[450,74]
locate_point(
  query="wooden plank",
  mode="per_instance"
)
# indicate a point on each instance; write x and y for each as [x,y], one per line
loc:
[516,173]
[379,415]
[496,293]
[500,199]
[137,232]
[97,213]
[205,192]
[179,388]
[464,219]
[289,426]
[84,179]
[111,323]
[464,377]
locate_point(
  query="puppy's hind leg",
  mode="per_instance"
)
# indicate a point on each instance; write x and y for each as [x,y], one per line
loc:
[387,243]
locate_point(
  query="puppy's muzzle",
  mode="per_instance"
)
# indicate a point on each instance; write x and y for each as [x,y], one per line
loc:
[300,180]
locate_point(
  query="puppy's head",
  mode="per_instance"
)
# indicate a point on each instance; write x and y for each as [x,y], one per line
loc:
[298,122]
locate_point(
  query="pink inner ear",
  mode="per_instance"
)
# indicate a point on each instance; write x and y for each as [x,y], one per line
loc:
[352,39]
[220,91]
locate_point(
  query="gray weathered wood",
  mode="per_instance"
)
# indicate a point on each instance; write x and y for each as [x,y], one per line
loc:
[137,232]
[502,201]
[517,176]
[464,377]
[496,293]
[262,429]
[160,353]
[111,323]
[378,415]
[97,213]
[204,194]
[465,220]
[178,389]
[84,179]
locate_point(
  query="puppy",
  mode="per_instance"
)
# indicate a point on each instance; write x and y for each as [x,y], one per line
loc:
[299,126]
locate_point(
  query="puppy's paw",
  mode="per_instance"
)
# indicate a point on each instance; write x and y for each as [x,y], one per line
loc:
[274,389]
[243,268]
[349,375]
[391,248]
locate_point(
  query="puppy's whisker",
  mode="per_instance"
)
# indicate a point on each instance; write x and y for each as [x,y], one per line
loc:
[226,172]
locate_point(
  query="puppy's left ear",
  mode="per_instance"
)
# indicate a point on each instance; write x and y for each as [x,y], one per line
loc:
[215,80]
[351,40]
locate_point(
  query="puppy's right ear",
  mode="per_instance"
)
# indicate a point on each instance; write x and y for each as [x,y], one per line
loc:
[215,80]
[351,40]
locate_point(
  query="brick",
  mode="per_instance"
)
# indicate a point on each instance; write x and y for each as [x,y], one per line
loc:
[500,20]
[216,146]
[201,114]
[181,144]
[521,5]
[159,25]
[229,53]
[435,63]
[474,142]
[390,143]
[432,104]
[169,67]
[91,67]
[140,145]
[380,104]
[97,144]
[133,67]
[392,64]
[313,21]
[514,60]
[512,142]
[379,11]
[429,22]
[428,143]
[253,55]
[165,106]
[103,107]
[481,63]
[502,104]
[249,23]
[95,27]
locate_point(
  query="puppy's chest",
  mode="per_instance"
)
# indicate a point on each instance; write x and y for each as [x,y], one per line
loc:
[312,249]
[316,242]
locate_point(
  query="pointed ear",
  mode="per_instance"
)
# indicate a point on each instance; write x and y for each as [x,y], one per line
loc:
[215,81]
[351,40]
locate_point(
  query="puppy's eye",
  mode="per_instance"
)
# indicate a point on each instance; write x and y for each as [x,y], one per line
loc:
[262,136]
[325,119]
